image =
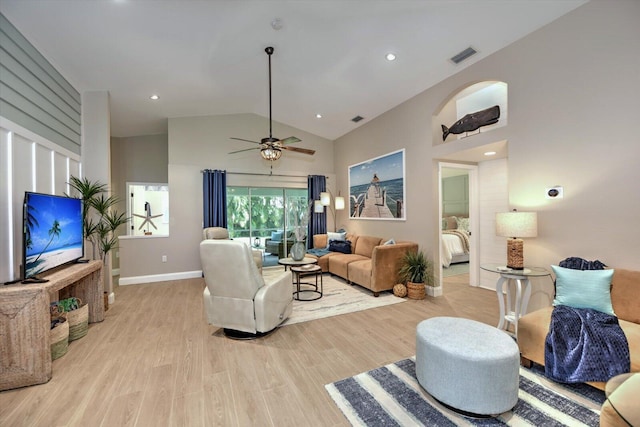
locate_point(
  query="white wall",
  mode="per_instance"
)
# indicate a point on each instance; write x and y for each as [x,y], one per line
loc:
[197,143]
[573,102]
[28,162]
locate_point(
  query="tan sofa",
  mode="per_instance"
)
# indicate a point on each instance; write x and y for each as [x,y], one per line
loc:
[625,297]
[371,264]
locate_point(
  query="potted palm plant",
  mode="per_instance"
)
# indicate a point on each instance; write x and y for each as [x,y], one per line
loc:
[99,218]
[417,272]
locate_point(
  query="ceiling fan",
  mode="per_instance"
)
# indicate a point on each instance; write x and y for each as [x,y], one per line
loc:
[271,148]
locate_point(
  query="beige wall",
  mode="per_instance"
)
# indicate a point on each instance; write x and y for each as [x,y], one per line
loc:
[136,159]
[197,143]
[573,102]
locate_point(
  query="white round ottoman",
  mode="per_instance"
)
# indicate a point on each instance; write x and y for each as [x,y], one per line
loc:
[467,365]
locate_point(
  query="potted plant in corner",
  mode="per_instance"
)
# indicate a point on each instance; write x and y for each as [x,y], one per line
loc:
[100,219]
[417,272]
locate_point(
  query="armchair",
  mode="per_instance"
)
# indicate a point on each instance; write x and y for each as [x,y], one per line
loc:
[236,297]
[218,233]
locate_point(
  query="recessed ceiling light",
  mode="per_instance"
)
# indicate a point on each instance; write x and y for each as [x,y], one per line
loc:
[154,97]
[490,153]
[390,57]
[318,116]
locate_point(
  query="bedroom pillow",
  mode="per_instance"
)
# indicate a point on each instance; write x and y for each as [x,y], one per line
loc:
[584,288]
[336,236]
[463,224]
[452,223]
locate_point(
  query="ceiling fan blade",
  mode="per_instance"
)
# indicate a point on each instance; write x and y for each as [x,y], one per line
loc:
[299,150]
[246,149]
[290,140]
[245,140]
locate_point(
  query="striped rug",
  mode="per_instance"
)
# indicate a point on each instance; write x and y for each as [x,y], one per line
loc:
[391,396]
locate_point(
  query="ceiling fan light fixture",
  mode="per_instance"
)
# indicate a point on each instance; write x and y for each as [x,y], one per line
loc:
[271,153]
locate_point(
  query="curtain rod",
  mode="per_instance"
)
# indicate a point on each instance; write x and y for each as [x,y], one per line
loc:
[264,174]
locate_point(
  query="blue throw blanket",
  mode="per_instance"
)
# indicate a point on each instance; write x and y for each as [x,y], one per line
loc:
[584,345]
[318,252]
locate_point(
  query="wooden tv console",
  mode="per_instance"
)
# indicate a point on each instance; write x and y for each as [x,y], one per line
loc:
[25,345]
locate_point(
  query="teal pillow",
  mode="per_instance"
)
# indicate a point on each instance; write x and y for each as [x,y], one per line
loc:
[276,236]
[336,236]
[584,288]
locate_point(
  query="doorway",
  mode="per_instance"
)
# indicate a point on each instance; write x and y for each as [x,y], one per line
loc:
[459,215]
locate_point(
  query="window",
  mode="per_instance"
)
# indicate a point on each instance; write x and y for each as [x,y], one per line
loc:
[254,213]
[148,209]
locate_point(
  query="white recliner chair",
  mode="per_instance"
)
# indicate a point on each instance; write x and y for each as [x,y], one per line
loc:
[237,298]
[222,233]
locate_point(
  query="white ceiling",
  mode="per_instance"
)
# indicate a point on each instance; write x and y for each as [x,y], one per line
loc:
[207,57]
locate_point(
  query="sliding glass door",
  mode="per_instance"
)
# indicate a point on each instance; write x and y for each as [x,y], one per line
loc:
[256,214]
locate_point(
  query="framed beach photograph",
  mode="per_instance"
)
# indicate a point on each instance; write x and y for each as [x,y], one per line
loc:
[377,188]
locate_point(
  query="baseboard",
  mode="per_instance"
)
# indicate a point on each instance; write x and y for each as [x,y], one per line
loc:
[115,271]
[135,280]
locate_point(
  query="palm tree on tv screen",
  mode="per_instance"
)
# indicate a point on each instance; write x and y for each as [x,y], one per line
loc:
[54,232]
[32,222]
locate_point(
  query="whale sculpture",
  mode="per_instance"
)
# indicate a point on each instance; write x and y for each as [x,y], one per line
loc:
[473,121]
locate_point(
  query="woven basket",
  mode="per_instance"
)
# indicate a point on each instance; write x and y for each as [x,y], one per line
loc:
[59,339]
[416,290]
[400,290]
[78,320]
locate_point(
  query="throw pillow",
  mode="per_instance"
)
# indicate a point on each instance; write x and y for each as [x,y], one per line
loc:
[452,223]
[276,235]
[340,246]
[336,236]
[584,288]
[390,242]
[463,224]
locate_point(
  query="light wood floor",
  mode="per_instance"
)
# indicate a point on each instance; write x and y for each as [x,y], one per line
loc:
[155,362]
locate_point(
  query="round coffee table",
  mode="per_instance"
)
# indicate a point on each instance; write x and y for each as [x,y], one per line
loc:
[292,263]
[302,268]
[307,270]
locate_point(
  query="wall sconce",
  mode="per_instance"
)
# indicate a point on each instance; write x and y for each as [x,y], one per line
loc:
[516,225]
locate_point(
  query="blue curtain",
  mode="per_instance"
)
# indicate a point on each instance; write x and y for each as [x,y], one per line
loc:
[214,198]
[316,184]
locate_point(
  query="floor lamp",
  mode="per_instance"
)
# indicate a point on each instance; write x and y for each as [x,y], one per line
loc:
[325,200]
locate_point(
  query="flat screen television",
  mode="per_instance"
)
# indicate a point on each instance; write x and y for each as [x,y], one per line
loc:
[52,233]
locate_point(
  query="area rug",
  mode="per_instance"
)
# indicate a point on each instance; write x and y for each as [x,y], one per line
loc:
[456,269]
[391,396]
[337,298]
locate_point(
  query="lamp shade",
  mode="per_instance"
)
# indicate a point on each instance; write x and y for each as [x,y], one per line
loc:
[517,224]
[325,198]
[317,206]
[339,203]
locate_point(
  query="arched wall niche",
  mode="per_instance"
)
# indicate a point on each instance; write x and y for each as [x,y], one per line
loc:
[470,98]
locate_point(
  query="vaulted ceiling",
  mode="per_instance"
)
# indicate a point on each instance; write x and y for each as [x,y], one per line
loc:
[207,57]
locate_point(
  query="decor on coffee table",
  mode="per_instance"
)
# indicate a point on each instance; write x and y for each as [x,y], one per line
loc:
[417,272]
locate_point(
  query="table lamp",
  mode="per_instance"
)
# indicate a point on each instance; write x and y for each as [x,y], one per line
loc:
[516,225]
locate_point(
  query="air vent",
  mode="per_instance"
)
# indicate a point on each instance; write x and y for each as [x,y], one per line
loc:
[456,59]
[356,119]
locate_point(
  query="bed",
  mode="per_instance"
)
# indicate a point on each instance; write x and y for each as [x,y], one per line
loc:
[455,240]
